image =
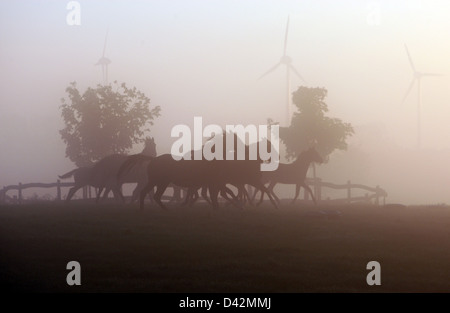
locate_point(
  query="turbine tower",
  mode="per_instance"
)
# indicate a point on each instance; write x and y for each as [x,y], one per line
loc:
[287,61]
[417,76]
[104,62]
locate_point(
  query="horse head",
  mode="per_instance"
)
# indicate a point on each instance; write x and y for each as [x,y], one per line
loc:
[149,147]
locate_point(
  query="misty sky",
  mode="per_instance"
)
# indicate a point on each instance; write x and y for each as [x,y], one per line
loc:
[203,58]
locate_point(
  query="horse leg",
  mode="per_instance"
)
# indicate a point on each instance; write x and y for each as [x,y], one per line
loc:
[224,193]
[205,194]
[135,193]
[143,193]
[176,197]
[249,190]
[247,196]
[115,195]
[194,196]
[97,198]
[158,194]
[270,188]
[264,189]
[188,199]
[106,193]
[262,197]
[119,190]
[233,200]
[310,192]
[297,191]
[273,193]
[255,192]
[72,192]
[214,193]
[242,194]
[118,196]
[151,195]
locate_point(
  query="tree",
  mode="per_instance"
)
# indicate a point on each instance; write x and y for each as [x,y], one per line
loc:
[310,125]
[103,121]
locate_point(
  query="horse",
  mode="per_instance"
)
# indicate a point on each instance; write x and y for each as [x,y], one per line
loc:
[103,174]
[83,177]
[238,177]
[194,174]
[293,173]
[240,180]
[108,167]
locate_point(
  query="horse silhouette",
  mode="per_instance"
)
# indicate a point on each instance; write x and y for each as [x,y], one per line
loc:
[195,174]
[83,177]
[103,174]
[293,173]
[108,167]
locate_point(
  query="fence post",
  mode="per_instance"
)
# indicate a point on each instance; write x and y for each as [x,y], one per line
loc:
[58,190]
[349,192]
[20,193]
[377,202]
[318,187]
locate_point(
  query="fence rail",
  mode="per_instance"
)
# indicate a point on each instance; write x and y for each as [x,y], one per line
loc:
[377,192]
[20,187]
[317,184]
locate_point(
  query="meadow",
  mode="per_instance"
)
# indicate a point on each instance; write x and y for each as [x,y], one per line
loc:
[199,249]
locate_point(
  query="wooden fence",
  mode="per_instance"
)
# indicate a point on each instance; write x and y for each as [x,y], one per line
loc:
[20,187]
[371,193]
[374,194]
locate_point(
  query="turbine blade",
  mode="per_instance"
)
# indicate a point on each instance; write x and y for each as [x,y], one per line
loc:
[104,46]
[286,36]
[296,72]
[273,68]
[411,85]
[410,59]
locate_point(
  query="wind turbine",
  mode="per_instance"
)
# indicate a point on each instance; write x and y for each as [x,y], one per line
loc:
[104,62]
[417,76]
[287,61]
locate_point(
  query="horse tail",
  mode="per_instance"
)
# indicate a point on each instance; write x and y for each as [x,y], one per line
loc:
[68,174]
[130,162]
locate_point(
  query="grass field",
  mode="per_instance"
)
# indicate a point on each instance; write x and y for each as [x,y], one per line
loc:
[198,249]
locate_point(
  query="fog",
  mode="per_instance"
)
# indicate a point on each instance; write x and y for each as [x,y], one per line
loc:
[204,58]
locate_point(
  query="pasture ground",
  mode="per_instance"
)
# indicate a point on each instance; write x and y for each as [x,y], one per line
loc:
[198,249]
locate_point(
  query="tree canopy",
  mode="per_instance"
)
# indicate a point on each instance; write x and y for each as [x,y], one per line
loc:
[310,125]
[104,120]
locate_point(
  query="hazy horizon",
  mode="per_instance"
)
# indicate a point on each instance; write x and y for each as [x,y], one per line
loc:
[204,58]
